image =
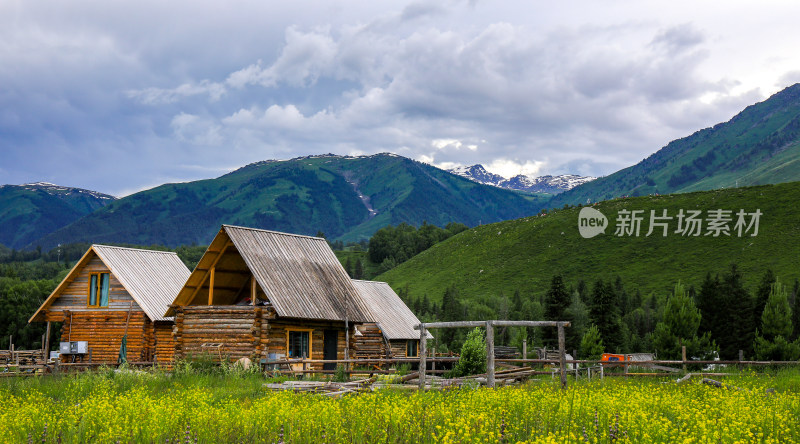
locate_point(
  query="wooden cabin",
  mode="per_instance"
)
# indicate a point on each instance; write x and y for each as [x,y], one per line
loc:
[112,291]
[392,334]
[266,295]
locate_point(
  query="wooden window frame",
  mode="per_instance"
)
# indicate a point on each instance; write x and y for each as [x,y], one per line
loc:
[99,281]
[310,332]
[416,349]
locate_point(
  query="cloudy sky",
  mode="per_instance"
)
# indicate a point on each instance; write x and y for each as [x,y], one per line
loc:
[123,96]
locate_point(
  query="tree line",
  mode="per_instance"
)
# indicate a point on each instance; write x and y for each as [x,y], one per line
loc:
[719,318]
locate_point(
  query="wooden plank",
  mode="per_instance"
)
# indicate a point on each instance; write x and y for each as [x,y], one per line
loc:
[211,287]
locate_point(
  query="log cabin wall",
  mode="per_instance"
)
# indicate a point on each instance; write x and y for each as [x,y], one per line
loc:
[103,330]
[102,327]
[231,326]
[399,349]
[252,332]
[164,347]
[278,333]
[75,296]
[370,343]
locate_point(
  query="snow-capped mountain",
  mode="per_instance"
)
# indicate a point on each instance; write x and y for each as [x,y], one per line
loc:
[53,189]
[477,173]
[533,184]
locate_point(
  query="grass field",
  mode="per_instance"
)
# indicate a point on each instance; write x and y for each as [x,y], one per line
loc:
[524,254]
[109,407]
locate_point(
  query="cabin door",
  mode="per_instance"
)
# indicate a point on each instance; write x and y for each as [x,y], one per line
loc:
[330,346]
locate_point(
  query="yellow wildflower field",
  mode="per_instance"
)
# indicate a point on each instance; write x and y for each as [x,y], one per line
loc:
[148,408]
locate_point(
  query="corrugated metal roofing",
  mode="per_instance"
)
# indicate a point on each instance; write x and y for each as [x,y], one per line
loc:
[300,275]
[394,317]
[153,278]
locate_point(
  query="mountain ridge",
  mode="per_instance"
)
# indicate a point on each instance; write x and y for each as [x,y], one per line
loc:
[346,197]
[31,210]
[535,184]
[757,146]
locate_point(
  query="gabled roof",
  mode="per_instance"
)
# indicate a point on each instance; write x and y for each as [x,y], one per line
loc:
[300,275]
[152,278]
[395,319]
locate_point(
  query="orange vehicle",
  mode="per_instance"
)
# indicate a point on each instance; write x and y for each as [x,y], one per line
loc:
[608,358]
[619,358]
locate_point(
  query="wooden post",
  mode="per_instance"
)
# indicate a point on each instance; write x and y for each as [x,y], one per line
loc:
[562,355]
[423,350]
[433,361]
[346,340]
[211,286]
[683,356]
[524,349]
[253,289]
[741,357]
[47,343]
[490,354]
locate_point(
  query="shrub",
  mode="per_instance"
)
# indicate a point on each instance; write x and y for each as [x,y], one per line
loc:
[473,355]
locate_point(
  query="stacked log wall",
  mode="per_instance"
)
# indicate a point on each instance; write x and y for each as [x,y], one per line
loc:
[399,349]
[252,332]
[232,326]
[164,347]
[369,344]
[103,330]
[278,334]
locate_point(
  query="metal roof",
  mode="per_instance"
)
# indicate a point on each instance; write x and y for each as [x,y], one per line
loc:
[393,316]
[152,278]
[300,275]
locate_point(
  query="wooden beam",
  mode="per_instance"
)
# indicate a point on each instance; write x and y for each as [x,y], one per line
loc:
[496,323]
[211,287]
[205,276]
[224,271]
[223,287]
[253,289]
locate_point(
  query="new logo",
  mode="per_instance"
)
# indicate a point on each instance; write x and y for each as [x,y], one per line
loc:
[591,222]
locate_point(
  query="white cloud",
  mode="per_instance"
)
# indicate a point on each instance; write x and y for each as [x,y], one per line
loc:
[509,168]
[585,85]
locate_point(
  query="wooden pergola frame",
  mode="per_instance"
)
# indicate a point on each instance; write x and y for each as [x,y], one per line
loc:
[489,325]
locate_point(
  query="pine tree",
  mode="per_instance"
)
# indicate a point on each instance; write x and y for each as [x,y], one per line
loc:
[556,302]
[762,295]
[348,267]
[679,329]
[737,329]
[708,301]
[604,313]
[591,344]
[578,314]
[358,273]
[772,342]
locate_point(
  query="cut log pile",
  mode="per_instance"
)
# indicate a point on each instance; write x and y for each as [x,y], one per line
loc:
[329,388]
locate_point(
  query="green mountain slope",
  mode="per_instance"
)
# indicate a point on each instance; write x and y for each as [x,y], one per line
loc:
[347,198]
[758,146]
[30,211]
[525,253]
